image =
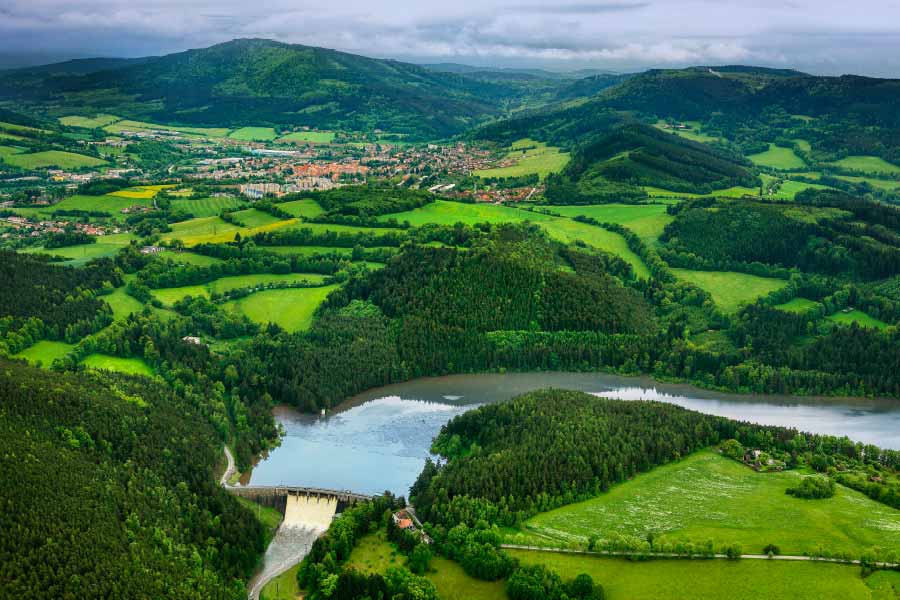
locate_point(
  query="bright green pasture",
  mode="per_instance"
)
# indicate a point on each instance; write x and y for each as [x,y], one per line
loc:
[144,192]
[106,203]
[882,184]
[10,136]
[169,296]
[206,207]
[6,151]
[868,164]
[122,304]
[531,158]
[107,245]
[190,258]
[45,351]
[646,220]
[21,128]
[253,134]
[252,217]
[804,145]
[307,137]
[730,289]
[560,228]
[732,192]
[374,554]
[128,125]
[132,366]
[705,579]
[859,317]
[692,134]
[709,497]
[777,157]
[52,158]
[241,281]
[306,208]
[283,587]
[797,305]
[306,250]
[789,189]
[292,308]
[95,122]
[213,230]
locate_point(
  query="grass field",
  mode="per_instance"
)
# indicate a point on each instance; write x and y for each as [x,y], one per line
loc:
[804,145]
[560,228]
[95,122]
[797,305]
[254,218]
[240,281]
[132,366]
[729,290]
[531,158]
[302,208]
[169,296]
[692,134]
[4,135]
[122,304]
[45,352]
[52,158]
[306,250]
[374,554]
[106,203]
[732,192]
[214,230]
[777,157]
[709,497]
[128,125]
[189,258]
[144,192]
[859,317]
[253,134]
[882,184]
[108,245]
[283,587]
[307,137]
[206,207]
[21,128]
[646,220]
[291,309]
[789,189]
[703,580]
[868,164]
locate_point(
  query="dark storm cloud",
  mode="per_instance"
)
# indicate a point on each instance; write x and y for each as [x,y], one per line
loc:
[824,36]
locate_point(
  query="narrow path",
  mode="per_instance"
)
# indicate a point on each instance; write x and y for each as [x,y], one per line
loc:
[229,470]
[792,557]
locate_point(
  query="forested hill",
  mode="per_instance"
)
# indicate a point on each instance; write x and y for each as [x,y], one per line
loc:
[109,492]
[254,81]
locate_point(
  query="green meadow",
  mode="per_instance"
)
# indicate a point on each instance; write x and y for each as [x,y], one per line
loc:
[307,250]
[131,366]
[307,137]
[692,134]
[789,189]
[189,258]
[25,129]
[777,157]
[882,184]
[804,145]
[253,134]
[705,579]
[305,208]
[797,305]
[709,497]
[868,164]
[122,304]
[95,122]
[646,220]
[45,352]
[128,125]
[107,245]
[206,207]
[283,587]
[291,309]
[52,158]
[252,217]
[213,230]
[732,192]
[531,158]
[848,317]
[559,228]
[729,289]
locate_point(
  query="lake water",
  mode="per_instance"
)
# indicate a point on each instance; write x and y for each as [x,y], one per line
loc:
[380,439]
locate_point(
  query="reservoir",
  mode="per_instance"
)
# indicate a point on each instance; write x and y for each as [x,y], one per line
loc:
[379,440]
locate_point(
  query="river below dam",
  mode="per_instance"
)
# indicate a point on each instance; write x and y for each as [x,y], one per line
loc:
[379,440]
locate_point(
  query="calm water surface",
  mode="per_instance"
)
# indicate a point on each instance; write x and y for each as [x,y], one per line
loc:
[380,439]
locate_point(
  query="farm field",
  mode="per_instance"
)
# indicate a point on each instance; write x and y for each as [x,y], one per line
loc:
[306,250]
[859,317]
[10,136]
[881,184]
[302,208]
[789,189]
[804,145]
[291,309]
[45,352]
[21,128]
[868,164]
[560,228]
[730,289]
[95,122]
[206,207]
[531,158]
[108,203]
[646,220]
[240,281]
[307,137]
[777,157]
[169,296]
[128,125]
[252,217]
[107,245]
[190,258]
[52,158]
[142,191]
[122,304]
[797,305]
[374,554]
[704,579]
[213,230]
[131,366]
[709,497]
[253,134]
[692,134]
[732,192]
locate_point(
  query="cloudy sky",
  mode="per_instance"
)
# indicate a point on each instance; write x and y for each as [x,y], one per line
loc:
[820,36]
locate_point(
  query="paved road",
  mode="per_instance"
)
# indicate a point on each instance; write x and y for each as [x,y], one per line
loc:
[673,555]
[229,470]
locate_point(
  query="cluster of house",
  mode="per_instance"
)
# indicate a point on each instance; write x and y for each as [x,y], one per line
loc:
[406,520]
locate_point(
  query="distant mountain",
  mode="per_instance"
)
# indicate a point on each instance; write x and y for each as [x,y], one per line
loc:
[542,73]
[254,81]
